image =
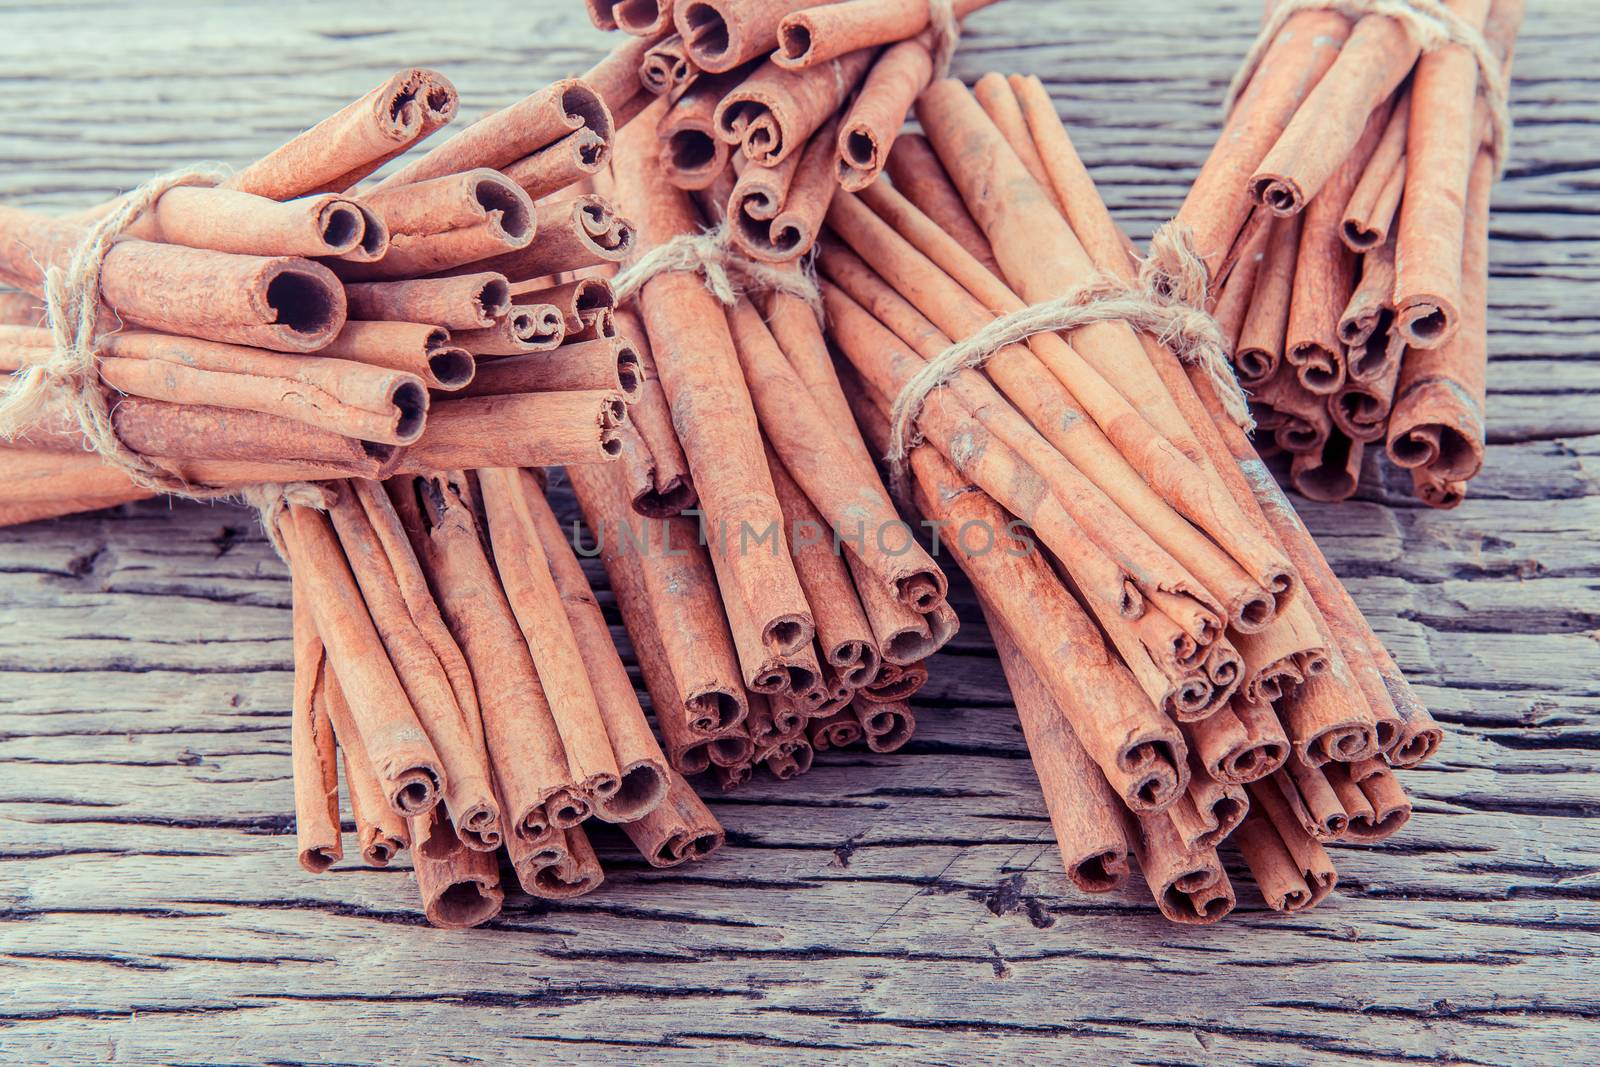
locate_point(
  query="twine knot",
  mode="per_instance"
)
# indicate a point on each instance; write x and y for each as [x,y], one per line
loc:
[728,272]
[272,500]
[1430,24]
[72,311]
[1193,336]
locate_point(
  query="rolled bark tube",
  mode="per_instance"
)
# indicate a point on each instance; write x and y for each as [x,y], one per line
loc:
[1373,202]
[698,666]
[579,300]
[1328,125]
[1384,688]
[1442,142]
[1233,749]
[776,212]
[721,34]
[866,134]
[507,135]
[560,164]
[430,666]
[1311,800]
[1435,490]
[773,111]
[460,886]
[1366,325]
[1019,227]
[644,767]
[380,831]
[888,725]
[1325,272]
[822,32]
[1042,398]
[691,155]
[444,222]
[576,232]
[1103,569]
[903,635]
[560,867]
[1208,812]
[666,69]
[789,758]
[1216,206]
[839,730]
[731,776]
[680,830]
[527,430]
[465,302]
[354,141]
[279,302]
[1328,718]
[895,681]
[802,437]
[640,471]
[732,751]
[416,348]
[1141,753]
[1234,298]
[673,488]
[1272,661]
[844,633]
[1389,806]
[1260,346]
[1331,474]
[1215,901]
[405,761]
[615,77]
[525,328]
[1225,667]
[311,744]
[1181,692]
[1437,416]
[1274,868]
[1177,876]
[530,589]
[999,102]
[226,220]
[535,783]
[712,410]
[609,364]
[918,174]
[1303,423]
[336,396]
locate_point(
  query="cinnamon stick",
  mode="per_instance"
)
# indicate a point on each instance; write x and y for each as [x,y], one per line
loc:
[465,302]
[311,742]
[382,832]
[773,111]
[460,886]
[680,830]
[423,350]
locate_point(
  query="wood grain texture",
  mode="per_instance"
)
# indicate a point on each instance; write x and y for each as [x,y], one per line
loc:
[911,906]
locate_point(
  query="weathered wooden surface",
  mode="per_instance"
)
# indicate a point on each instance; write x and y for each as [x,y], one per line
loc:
[913,906]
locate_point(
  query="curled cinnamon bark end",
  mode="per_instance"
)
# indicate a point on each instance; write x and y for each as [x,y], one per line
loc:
[460,886]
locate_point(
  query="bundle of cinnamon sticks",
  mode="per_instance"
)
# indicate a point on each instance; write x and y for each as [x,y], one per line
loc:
[1184,662]
[298,321]
[768,105]
[450,653]
[1344,215]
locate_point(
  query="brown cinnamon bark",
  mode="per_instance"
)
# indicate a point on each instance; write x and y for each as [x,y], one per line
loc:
[887,725]
[691,155]
[460,886]
[616,77]
[1301,417]
[527,327]
[1325,271]
[604,364]
[1371,208]
[1208,812]
[311,742]
[839,730]
[1369,793]
[672,488]
[465,302]
[226,220]
[426,660]
[573,233]
[416,348]
[681,830]
[1309,857]
[443,222]
[381,832]
[1366,328]
[999,101]
[353,142]
[527,430]
[895,682]
[643,18]
[1216,207]
[918,175]
[1327,126]
[1277,873]
[513,132]
[866,135]
[1178,877]
[573,158]
[1240,743]
[558,865]
[712,410]
[1442,140]
[773,111]
[1311,800]
[721,34]
[1260,347]
[666,69]
[535,783]
[1330,474]
[776,212]
[1437,417]
[821,32]
[280,302]
[1233,300]
[405,761]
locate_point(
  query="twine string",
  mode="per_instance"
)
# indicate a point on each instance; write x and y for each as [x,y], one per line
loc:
[1429,23]
[727,272]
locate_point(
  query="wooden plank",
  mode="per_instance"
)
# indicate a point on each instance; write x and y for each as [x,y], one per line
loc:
[913,906]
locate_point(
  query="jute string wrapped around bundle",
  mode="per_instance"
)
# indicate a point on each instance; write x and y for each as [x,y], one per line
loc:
[1430,24]
[72,310]
[727,271]
[1193,336]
